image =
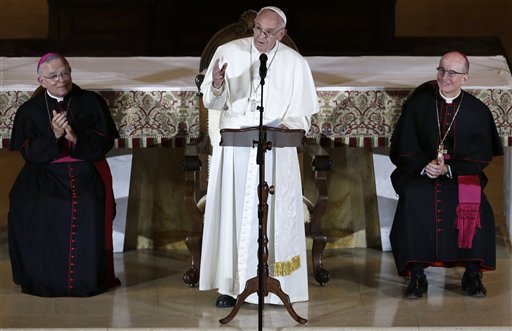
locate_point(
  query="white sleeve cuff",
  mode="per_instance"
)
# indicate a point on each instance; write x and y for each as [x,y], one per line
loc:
[449,172]
[217,91]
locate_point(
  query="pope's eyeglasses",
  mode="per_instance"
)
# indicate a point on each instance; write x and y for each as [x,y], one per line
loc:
[266,34]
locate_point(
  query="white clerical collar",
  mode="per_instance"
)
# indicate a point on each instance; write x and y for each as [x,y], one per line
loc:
[270,53]
[59,99]
[447,99]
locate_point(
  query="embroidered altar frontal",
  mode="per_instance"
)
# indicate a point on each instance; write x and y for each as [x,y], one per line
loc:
[154,100]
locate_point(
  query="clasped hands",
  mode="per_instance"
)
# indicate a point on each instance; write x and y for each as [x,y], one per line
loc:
[436,168]
[61,127]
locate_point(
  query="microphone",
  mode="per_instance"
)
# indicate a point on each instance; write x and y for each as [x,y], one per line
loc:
[263,66]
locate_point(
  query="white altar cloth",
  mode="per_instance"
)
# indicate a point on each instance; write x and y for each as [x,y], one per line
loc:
[178,73]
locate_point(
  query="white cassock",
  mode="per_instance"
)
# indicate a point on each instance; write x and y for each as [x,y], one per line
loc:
[230,236]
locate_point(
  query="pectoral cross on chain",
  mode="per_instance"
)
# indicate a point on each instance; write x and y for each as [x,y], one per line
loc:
[441,151]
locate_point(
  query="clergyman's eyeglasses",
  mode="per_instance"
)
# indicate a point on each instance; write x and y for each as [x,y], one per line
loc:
[451,73]
[54,77]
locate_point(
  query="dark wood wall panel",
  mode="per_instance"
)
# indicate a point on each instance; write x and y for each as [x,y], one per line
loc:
[182,28]
[166,27]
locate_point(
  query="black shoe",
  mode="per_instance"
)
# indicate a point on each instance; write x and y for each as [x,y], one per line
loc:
[472,284]
[225,301]
[417,286]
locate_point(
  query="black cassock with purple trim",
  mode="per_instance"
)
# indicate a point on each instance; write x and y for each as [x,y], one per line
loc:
[427,227]
[61,204]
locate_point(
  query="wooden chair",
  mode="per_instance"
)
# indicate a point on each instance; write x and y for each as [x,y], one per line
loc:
[196,160]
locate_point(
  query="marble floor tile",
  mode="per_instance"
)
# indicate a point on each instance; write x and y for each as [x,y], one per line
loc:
[364,293]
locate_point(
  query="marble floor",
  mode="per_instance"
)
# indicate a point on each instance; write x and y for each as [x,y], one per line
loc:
[364,293]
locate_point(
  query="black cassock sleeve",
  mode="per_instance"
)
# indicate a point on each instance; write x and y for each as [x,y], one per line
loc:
[89,117]
[94,127]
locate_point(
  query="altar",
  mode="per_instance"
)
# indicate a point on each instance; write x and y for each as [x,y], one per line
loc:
[153,99]
[154,104]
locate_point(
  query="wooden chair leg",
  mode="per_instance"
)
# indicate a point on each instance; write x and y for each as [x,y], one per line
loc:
[191,165]
[193,241]
[321,164]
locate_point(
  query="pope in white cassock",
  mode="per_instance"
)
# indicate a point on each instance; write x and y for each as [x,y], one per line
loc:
[230,236]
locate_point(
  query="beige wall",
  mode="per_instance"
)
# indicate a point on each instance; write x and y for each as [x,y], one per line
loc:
[28,19]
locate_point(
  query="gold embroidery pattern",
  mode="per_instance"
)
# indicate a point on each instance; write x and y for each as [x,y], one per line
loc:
[353,118]
[287,267]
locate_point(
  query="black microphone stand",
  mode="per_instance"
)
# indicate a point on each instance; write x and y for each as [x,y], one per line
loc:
[263,283]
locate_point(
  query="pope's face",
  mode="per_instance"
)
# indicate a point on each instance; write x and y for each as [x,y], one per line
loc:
[55,76]
[267,30]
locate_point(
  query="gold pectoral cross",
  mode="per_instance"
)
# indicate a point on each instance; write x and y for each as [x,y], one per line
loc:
[441,151]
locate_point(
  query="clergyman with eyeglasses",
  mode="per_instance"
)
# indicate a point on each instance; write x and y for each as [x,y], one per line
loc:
[232,86]
[443,141]
[61,206]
